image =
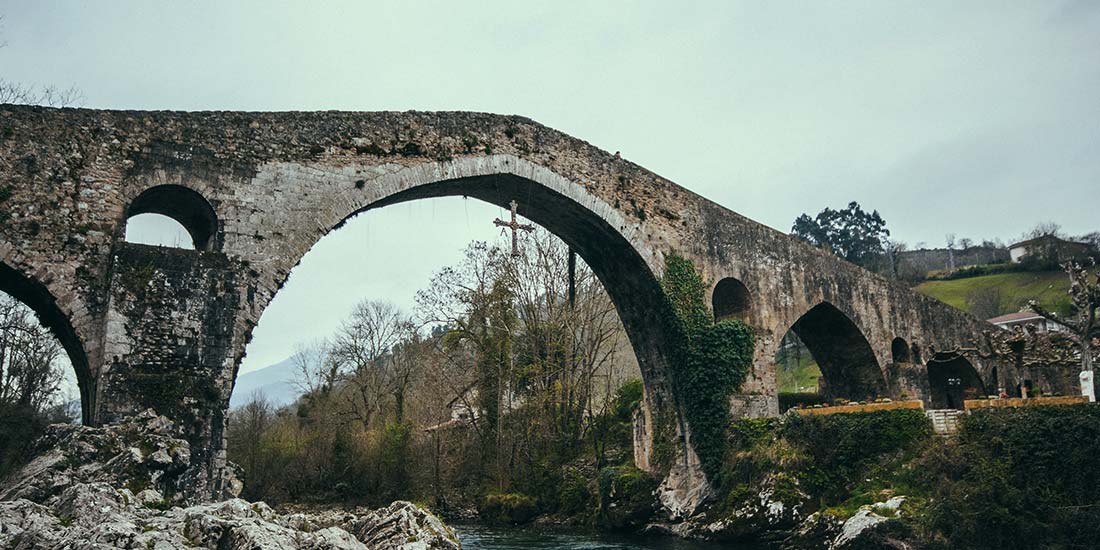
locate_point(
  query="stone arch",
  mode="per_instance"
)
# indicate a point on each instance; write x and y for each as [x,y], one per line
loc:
[899,351]
[183,205]
[608,243]
[39,298]
[848,365]
[730,300]
[952,379]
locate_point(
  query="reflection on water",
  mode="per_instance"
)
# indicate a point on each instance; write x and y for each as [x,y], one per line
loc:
[481,537]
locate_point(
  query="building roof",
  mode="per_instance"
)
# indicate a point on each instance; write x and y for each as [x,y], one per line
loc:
[1044,238]
[1016,317]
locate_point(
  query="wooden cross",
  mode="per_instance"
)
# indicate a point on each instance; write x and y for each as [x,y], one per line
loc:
[514,226]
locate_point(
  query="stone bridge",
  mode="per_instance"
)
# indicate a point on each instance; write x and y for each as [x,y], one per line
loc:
[167,328]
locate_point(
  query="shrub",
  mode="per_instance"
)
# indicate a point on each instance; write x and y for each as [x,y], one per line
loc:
[575,498]
[507,509]
[790,400]
[626,497]
[1015,478]
[840,448]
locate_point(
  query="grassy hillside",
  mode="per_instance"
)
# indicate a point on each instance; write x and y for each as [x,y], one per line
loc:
[1048,287]
[798,376]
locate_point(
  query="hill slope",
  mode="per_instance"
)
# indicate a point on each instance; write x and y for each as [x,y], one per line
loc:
[275,383]
[1048,287]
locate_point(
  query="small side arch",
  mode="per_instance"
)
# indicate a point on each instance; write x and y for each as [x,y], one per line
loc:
[730,300]
[952,379]
[183,205]
[899,351]
[848,365]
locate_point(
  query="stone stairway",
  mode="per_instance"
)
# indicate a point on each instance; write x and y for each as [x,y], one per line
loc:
[944,421]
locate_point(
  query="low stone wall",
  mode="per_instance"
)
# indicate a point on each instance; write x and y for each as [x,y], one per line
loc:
[870,407]
[1015,402]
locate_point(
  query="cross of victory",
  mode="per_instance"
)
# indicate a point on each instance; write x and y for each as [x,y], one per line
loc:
[514,226]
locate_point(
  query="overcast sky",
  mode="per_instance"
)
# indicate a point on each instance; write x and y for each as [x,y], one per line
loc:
[979,119]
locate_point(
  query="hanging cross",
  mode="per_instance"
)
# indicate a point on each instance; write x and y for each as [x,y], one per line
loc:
[514,226]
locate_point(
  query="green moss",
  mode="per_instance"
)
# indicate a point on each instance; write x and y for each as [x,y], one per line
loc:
[626,497]
[834,462]
[507,508]
[136,484]
[575,497]
[136,279]
[665,441]
[710,361]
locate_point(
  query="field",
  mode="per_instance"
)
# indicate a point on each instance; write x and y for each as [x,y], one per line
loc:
[798,375]
[1048,287]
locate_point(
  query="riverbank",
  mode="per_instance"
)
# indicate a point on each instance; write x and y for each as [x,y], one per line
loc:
[127,486]
[1010,479]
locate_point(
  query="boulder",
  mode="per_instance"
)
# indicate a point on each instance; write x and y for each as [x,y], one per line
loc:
[126,486]
[875,526]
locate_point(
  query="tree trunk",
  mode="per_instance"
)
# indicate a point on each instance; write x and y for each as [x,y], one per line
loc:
[1086,353]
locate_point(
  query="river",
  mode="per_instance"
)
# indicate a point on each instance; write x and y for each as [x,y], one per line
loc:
[481,537]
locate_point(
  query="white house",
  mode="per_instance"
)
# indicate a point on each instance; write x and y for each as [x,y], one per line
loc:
[1048,247]
[1024,318]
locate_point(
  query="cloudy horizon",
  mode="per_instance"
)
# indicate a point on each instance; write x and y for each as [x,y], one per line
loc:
[975,119]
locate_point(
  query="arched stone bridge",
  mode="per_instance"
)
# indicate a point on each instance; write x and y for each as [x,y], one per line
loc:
[167,328]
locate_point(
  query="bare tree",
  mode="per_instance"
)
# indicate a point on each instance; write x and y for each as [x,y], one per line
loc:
[1092,239]
[951,252]
[1044,229]
[50,96]
[1084,292]
[362,348]
[985,302]
[317,371]
[30,373]
[893,250]
[247,426]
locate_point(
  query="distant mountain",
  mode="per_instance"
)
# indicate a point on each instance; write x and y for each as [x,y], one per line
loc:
[275,382]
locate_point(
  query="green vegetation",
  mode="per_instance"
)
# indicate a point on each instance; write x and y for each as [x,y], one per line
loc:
[512,404]
[851,233]
[840,460]
[712,362]
[1049,288]
[1016,478]
[626,497]
[1011,478]
[507,509]
[798,376]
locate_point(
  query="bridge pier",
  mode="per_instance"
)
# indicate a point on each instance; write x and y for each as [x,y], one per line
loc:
[169,346]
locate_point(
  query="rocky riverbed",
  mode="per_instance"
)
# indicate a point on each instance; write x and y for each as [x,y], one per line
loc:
[124,486]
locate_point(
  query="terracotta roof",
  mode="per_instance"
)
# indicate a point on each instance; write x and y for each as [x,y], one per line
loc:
[1016,317]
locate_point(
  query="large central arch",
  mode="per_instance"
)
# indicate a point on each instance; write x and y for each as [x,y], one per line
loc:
[37,297]
[606,241]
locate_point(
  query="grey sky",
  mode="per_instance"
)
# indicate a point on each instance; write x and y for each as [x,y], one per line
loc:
[974,118]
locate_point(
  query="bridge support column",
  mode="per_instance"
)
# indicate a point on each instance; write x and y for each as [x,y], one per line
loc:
[169,347]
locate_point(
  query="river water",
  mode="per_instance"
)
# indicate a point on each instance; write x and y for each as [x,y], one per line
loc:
[481,537]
